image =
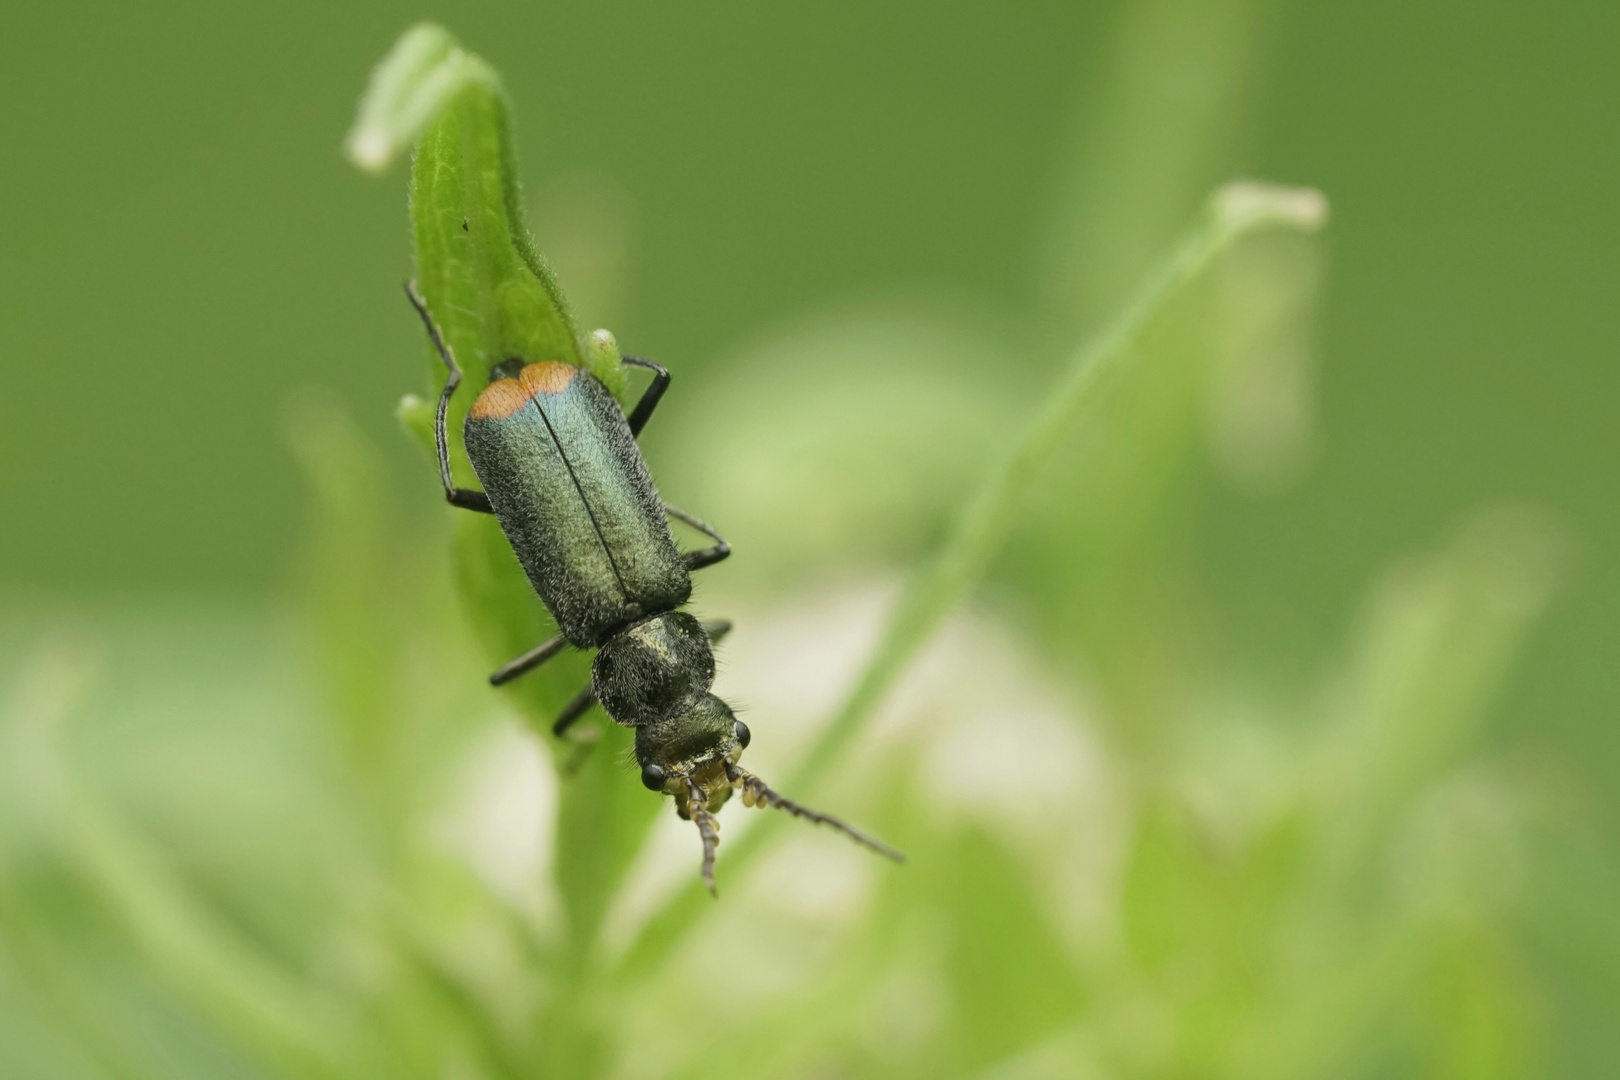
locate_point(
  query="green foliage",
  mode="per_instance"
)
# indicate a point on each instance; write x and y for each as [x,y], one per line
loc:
[1176,876]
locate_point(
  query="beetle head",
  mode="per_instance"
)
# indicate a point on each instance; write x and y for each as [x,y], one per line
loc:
[694,756]
[692,748]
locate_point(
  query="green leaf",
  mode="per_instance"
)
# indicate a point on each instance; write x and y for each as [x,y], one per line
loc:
[489,291]
[487,286]
[494,298]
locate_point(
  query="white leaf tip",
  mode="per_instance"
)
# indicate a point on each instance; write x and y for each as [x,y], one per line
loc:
[1244,203]
[370,149]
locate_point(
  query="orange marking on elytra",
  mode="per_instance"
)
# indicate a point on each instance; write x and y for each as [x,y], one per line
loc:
[503,397]
[547,377]
[500,399]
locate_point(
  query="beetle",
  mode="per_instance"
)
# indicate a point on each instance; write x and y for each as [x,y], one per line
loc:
[561,472]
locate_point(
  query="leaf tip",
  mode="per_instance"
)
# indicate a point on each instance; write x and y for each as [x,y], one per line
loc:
[369,148]
[1245,204]
[405,87]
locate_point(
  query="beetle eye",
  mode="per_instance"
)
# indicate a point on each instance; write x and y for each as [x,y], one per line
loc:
[653,777]
[743,735]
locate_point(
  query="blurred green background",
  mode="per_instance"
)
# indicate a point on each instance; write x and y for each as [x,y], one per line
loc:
[864,237]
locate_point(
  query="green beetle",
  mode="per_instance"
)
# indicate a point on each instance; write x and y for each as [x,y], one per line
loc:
[563,475]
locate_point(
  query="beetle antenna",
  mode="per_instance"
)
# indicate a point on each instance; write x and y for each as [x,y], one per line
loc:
[708,828]
[755,792]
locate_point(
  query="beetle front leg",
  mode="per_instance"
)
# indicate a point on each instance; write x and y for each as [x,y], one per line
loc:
[649,398]
[466,498]
[697,560]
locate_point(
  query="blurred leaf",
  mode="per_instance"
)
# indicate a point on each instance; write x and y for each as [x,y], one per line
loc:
[1009,974]
[54,986]
[990,514]
[267,1013]
[1170,890]
[1259,424]
[1483,1025]
[353,610]
[782,449]
[1433,646]
[1165,127]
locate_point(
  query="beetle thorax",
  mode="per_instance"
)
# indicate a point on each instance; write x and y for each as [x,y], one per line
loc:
[654,671]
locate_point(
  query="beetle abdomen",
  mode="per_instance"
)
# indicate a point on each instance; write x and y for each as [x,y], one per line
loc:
[573,495]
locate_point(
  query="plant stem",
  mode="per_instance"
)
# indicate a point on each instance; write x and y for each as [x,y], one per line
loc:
[986,519]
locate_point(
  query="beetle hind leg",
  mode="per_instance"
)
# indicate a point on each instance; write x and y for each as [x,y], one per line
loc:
[697,560]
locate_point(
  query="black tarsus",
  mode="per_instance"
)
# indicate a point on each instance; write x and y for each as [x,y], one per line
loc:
[697,560]
[528,661]
[465,498]
[649,398]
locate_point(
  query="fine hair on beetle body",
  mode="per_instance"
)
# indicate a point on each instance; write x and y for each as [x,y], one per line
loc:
[561,472]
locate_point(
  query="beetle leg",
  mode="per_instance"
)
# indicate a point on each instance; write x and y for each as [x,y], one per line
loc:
[528,661]
[465,498]
[649,398]
[697,560]
[574,710]
[468,499]
[715,629]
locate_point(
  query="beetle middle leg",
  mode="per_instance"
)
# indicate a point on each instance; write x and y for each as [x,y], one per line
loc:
[528,661]
[574,710]
[697,560]
[466,498]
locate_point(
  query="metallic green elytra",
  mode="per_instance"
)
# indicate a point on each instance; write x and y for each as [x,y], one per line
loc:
[563,475]
[550,441]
